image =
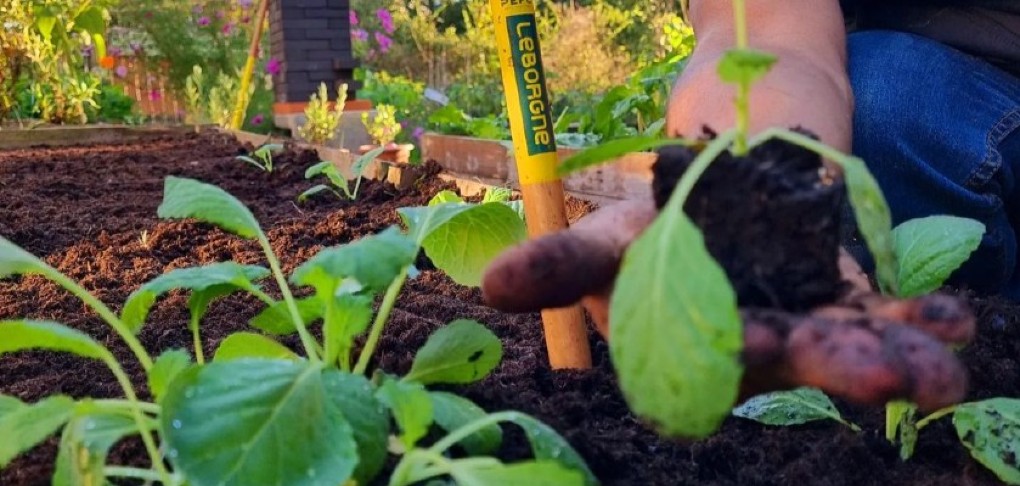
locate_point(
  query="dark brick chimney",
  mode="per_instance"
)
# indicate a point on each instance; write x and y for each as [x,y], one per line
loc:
[312,41]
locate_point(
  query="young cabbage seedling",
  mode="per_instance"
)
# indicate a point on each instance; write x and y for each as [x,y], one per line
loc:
[653,312]
[262,157]
[320,422]
[338,181]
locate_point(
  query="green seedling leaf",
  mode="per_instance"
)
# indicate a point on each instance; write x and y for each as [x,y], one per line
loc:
[167,366]
[16,261]
[373,261]
[901,426]
[349,318]
[990,430]
[216,280]
[532,473]
[257,421]
[9,404]
[547,444]
[244,345]
[792,407]
[461,239]
[928,250]
[411,407]
[667,300]
[84,445]
[453,412]
[318,169]
[745,66]
[359,165]
[352,394]
[445,197]
[25,427]
[32,335]
[315,190]
[276,320]
[614,149]
[188,198]
[462,352]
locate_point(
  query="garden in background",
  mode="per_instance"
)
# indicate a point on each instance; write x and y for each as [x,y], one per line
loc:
[185,300]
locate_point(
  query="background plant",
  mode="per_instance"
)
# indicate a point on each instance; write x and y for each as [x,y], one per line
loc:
[321,120]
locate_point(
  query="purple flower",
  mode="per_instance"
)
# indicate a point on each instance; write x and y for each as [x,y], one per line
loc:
[121,71]
[227,28]
[155,95]
[273,67]
[203,21]
[86,50]
[359,35]
[114,51]
[257,119]
[385,19]
[136,47]
[244,3]
[383,41]
[418,132]
[354,18]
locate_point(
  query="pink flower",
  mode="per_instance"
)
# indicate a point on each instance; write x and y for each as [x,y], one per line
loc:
[383,41]
[354,17]
[257,119]
[359,35]
[220,14]
[385,19]
[121,71]
[155,95]
[227,28]
[273,67]
[203,21]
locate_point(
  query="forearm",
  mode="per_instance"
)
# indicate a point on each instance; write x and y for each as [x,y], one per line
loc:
[807,87]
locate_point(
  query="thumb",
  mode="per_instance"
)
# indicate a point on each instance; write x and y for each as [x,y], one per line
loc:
[559,269]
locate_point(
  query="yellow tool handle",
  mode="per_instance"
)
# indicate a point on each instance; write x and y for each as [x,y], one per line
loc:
[249,67]
[531,127]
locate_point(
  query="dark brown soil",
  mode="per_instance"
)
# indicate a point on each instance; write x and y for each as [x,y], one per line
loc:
[90,212]
[768,218]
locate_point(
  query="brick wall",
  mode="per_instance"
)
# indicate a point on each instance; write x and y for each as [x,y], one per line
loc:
[312,41]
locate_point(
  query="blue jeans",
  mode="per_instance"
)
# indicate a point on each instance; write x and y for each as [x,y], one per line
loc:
[940,130]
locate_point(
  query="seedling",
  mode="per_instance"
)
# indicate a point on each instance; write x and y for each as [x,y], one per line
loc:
[315,412]
[262,157]
[340,185]
[691,392]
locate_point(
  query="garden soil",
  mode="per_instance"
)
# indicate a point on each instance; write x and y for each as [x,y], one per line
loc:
[91,213]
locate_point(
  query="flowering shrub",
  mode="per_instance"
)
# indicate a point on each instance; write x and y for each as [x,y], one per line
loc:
[372,37]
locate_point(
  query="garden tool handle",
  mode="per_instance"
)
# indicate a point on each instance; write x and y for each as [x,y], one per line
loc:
[531,129]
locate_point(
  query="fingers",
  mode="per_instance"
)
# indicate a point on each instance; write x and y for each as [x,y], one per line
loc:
[860,359]
[945,317]
[560,269]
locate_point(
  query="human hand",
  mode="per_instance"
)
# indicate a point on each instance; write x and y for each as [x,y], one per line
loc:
[864,347]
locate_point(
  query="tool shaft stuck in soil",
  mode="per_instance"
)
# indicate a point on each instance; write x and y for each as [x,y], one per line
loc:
[531,128]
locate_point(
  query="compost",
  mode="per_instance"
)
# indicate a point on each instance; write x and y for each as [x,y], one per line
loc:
[90,211]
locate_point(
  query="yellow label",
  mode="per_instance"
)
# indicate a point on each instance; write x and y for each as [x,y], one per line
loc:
[528,108]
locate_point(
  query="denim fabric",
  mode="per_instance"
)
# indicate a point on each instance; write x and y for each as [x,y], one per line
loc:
[940,130]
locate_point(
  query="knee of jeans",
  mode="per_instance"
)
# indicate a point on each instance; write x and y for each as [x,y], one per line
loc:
[887,72]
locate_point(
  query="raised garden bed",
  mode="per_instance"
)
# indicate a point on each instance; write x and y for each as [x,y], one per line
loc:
[90,212]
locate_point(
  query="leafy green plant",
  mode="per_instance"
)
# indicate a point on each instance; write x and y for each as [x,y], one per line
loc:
[322,121]
[341,187]
[262,157]
[692,393]
[113,105]
[316,413]
[383,127]
[914,258]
